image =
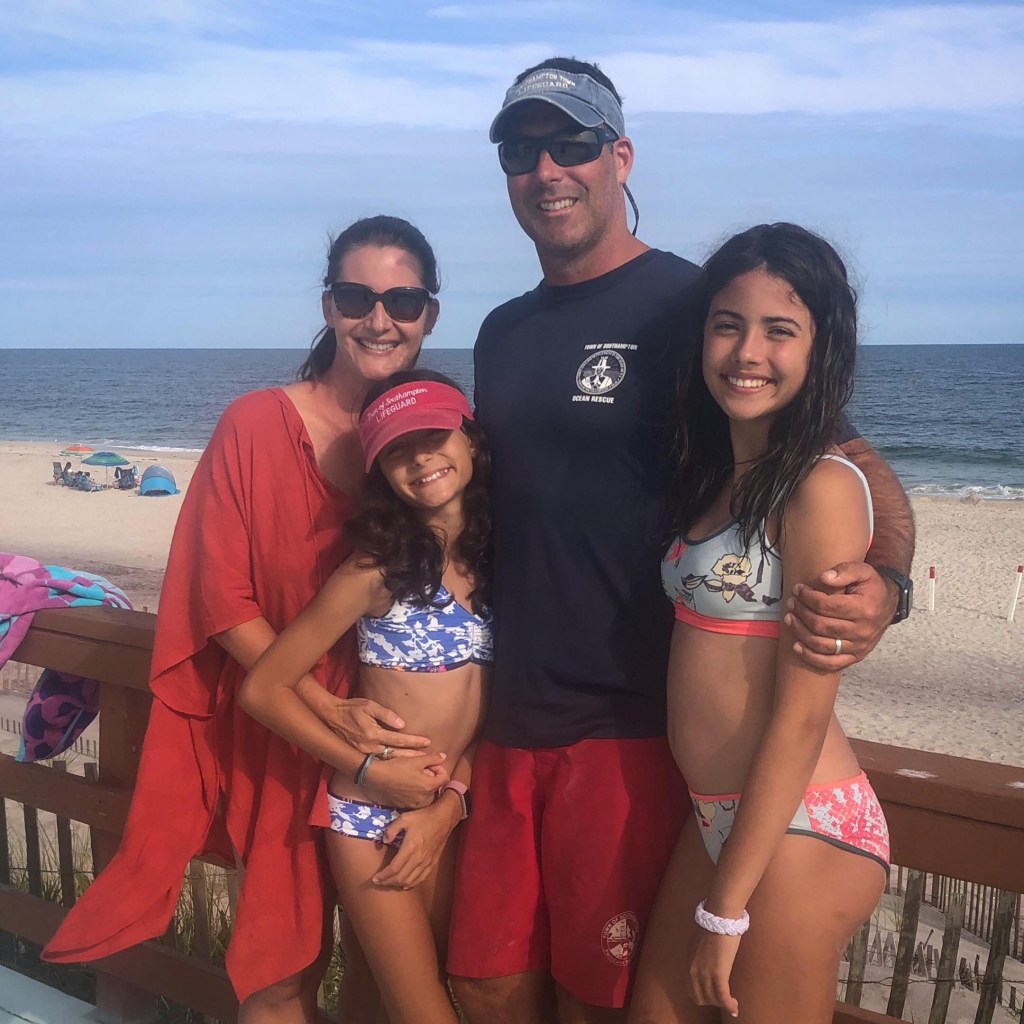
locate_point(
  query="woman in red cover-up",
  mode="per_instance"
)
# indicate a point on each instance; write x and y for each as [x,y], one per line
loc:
[260,531]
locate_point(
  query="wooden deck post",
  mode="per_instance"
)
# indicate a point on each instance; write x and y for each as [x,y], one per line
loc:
[993,979]
[33,858]
[7,944]
[858,958]
[65,853]
[123,717]
[947,959]
[907,945]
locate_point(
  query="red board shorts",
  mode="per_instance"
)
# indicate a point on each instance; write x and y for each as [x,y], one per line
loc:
[563,855]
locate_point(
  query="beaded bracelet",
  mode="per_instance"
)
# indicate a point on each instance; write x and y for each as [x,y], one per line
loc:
[720,925]
[364,768]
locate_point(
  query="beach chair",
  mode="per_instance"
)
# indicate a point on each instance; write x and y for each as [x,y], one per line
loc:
[125,479]
[83,482]
[62,475]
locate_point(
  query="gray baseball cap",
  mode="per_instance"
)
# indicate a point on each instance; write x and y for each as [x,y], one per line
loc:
[585,100]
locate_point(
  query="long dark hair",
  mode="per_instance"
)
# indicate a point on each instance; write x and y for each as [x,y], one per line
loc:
[382,231]
[804,429]
[411,554]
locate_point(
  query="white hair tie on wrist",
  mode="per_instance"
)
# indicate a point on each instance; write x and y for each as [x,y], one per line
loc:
[720,925]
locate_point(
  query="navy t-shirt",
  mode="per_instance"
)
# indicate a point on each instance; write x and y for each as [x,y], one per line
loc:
[575,388]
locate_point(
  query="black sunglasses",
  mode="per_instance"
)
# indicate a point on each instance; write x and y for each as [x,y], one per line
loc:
[355,301]
[519,155]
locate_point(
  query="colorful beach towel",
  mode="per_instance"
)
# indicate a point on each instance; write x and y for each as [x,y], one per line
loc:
[61,705]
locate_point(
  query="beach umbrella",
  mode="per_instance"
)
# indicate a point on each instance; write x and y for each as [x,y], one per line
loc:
[106,460]
[77,449]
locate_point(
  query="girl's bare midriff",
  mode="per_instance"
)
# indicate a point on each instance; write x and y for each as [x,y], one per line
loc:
[446,706]
[721,690]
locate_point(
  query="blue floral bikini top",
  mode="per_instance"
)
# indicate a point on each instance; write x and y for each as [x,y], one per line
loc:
[425,638]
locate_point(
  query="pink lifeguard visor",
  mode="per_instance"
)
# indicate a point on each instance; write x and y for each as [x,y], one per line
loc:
[418,405]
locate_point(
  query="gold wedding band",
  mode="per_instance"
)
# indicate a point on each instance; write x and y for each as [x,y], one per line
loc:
[385,754]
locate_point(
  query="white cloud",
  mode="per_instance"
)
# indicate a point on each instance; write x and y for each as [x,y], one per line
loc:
[926,59]
[959,58]
[89,21]
[524,10]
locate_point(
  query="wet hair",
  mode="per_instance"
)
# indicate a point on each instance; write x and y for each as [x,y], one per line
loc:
[411,554]
[802,431]
[381,231]
[574,67]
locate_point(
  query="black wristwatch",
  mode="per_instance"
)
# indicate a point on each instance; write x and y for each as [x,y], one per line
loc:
[905,588]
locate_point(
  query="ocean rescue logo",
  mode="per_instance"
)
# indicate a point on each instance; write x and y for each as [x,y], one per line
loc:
[619,938]
[601,372]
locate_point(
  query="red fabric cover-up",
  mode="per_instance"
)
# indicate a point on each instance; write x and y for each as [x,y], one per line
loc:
[259,532]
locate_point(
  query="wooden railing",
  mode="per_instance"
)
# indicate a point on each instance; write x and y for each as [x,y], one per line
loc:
[947,815]
[114,647]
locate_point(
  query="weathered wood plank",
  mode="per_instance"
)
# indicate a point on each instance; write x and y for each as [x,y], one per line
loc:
[992,984]
[858,961]
[103,807]
[905,950]
[124,714]
[33,856]
[946,978]
[958,847]
[960,786]
[109,644]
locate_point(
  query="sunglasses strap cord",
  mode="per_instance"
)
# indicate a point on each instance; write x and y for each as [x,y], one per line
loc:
[636,210]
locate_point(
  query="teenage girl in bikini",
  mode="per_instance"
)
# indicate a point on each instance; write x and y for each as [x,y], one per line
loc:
[417,592]
[787,837]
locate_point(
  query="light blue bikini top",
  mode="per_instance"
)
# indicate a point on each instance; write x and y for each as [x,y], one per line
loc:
[720,585]
[425,638]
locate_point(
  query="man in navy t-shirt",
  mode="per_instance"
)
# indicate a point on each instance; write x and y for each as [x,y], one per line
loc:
[577,803]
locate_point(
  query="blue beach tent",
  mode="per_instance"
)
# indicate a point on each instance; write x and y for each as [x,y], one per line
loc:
[158,481]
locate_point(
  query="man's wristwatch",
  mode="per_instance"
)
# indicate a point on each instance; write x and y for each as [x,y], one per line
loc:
[904,587]
[462,792]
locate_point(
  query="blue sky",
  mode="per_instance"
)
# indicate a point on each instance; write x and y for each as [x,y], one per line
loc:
[171,170]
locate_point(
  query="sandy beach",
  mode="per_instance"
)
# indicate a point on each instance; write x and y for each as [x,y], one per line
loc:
[951,680]
[117,534]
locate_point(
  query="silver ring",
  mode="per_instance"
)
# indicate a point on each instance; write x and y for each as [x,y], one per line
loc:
[839,650]
[385,754]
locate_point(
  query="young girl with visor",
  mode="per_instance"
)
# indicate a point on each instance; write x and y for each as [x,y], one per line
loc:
[787,850]
[417,591]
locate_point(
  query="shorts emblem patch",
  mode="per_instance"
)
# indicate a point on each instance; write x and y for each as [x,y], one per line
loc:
[601,372]
[619,938]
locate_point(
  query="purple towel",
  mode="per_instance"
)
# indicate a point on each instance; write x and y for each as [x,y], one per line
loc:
[61,705]
[58,711]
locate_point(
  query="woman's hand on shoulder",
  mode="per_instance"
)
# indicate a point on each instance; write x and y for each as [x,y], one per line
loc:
[426,834]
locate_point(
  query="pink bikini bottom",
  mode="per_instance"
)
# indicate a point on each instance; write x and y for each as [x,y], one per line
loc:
[846,814]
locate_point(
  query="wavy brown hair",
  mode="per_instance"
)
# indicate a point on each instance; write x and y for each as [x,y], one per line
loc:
[806,428]
[410,554]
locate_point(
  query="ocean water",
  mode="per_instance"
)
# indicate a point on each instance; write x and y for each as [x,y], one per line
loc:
[949,418]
